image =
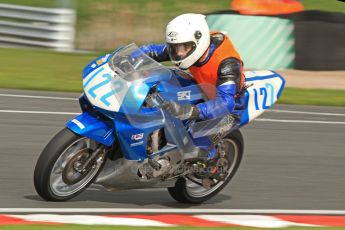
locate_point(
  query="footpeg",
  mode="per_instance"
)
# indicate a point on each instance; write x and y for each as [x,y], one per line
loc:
[154,164]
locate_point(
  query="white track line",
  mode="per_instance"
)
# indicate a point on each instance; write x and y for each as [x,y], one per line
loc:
[38,97]
[301,121]
[38,112]
[170,210]
[256,221]
[91,220]
[305,112]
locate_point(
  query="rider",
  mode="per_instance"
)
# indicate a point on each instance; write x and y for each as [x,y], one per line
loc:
[210,57]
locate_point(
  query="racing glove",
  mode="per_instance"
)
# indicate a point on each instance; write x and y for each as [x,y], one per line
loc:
[182,112]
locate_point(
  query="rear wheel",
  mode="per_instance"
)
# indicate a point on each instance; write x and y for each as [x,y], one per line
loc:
[192,189]
[67,166]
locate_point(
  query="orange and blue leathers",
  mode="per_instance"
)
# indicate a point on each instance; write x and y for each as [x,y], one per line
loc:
[220,75]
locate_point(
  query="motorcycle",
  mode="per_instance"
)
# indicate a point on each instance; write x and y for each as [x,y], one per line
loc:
[125,139]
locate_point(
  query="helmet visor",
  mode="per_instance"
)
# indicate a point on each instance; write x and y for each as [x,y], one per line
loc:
[180,51]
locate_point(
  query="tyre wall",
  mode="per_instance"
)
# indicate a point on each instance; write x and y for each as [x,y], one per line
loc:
[309,40]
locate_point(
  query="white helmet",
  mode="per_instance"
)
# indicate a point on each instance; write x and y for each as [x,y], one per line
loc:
[191,32]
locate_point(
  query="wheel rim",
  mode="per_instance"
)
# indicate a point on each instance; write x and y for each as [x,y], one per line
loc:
[73,172]
[62,180]
[196,190]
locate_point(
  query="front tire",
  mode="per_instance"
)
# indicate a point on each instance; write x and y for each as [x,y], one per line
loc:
[57,176]
[187,191]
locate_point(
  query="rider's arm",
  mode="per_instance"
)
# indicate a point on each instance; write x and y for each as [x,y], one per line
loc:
[157,52]
[229,74]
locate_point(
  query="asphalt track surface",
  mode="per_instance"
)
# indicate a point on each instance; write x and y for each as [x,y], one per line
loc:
[294,164]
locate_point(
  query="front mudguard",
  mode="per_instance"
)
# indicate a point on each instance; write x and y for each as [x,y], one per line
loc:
[89,126]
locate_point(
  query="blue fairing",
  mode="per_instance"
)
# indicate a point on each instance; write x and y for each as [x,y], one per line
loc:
[97,62]
[133,134]
[93,128]
[133,122]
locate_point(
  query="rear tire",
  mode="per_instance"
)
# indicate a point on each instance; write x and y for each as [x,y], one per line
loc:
[57,156]
[183,193]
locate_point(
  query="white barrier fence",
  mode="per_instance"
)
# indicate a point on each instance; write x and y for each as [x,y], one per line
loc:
[38,27]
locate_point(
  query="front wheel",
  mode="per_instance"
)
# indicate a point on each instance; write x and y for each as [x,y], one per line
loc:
[191,189]
[67,166]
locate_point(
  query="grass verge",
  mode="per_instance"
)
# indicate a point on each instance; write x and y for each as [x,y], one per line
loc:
[38,69]
[312,97]
[46,70]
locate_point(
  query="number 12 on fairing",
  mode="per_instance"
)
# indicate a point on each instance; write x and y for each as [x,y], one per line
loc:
[265,92]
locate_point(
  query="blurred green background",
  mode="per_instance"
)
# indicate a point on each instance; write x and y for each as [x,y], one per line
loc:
[103,25]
